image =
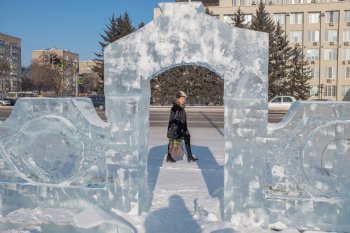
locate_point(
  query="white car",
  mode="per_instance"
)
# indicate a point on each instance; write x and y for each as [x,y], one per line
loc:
[5,102]
[281,103]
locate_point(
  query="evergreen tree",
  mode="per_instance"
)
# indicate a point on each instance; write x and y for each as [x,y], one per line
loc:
[202,86]
[209,12]
[124,25]
[142,24]
[116,29]
[299,75]
[262,21]
[239,19]
[279,63]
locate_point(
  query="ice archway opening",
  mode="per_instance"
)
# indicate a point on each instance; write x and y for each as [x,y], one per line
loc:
[182,35]
[202,86]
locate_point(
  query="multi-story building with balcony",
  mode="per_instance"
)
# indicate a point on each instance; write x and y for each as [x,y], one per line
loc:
[66,60]
[321,27]
[10,50]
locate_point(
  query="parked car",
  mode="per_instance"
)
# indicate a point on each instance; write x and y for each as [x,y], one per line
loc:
[281,103]
[4,102]
[98,102]
[12,101]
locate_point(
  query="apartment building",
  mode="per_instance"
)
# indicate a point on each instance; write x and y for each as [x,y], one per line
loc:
[10,50]
[85,67]
[321,27]
[68,61]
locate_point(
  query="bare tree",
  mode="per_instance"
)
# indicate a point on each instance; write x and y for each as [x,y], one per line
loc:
[90,83]
[5,70]
[50,74]
[41,76]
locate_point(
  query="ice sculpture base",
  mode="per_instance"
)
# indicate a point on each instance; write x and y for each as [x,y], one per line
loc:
[89,220]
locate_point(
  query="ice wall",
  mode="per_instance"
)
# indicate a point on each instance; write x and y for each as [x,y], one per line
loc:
[184,34]
[57,153]
[308,159]
[53,159]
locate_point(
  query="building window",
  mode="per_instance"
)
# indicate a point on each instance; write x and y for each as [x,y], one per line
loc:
[346,54]
[346,35]
[248,2]
[314,35]
[248,19]
[347,16]
[275,2]
[345,90]
[314,17]
[296,36]
[296,18]
[332,17]
[314,91]
[330,54]
[347,72]
[294,1]
[330,72]
[279,18]
[329,91]
[228,19]
[312,54]
[315,72]
[331,35]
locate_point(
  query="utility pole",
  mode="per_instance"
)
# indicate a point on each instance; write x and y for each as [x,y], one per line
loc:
[2,85]
[76,75]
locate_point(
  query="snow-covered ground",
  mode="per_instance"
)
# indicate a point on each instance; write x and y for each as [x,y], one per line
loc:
[184,197]
[180,188]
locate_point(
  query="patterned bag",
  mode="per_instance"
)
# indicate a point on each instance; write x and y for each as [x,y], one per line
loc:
[175,150]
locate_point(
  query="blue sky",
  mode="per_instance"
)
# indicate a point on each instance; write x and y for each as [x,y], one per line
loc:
[73,25]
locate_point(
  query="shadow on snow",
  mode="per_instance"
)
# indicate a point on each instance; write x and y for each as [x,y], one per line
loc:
[212,172]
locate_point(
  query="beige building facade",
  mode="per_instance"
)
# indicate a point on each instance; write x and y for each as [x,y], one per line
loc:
[10,50]
[85,67]
[67,59]
[90,81]
[321,27]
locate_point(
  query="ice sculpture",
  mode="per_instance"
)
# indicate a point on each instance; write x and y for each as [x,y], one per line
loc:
[53,163]
[59,159]
[308,158]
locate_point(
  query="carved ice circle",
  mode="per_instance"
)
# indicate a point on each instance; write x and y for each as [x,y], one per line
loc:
[50,154]
[336,159]
[326,165]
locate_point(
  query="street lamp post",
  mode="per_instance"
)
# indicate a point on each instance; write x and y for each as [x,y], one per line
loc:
[321,90]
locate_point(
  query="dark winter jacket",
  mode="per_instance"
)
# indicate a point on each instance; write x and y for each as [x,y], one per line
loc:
[177,127]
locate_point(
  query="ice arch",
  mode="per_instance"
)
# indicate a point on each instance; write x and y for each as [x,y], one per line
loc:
[184,34]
